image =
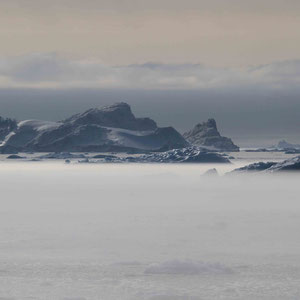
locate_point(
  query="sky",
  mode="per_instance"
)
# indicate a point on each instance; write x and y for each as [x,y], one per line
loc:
[216,32]
[215,50]
[163,44]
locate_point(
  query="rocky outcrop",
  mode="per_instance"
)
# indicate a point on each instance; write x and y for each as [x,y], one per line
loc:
[118,115]
[207,135]
[111,128]
[6,126]
[284,145]
[292,164]
[185,155]
[255,167]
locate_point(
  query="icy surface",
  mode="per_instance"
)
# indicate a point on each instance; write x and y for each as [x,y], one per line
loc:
[147,232]
[292,164]
[185,155]
[288,165]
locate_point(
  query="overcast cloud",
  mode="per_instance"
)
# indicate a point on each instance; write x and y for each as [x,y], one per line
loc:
[44,70]
[221,33]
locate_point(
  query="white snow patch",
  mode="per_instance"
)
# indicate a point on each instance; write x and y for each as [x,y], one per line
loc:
[39,125]
[5,140]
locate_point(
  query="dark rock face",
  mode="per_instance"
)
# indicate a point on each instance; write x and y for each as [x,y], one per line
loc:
[206,134]
[15,156]
[186,155]
[61,155]
[292,164]
[7,149]
[256,167]
[118,115]
[6,126]
[111,128]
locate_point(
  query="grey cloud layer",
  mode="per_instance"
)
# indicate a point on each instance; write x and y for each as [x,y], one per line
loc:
[51,70]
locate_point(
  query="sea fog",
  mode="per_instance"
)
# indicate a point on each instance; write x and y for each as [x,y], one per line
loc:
[147,231]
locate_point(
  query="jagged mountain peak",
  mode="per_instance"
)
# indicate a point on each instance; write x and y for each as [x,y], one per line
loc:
[208,128]
[211,123]
[118,106]
[206,134]
[118,115]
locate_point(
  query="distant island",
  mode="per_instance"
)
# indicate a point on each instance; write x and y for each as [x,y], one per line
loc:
[111,128]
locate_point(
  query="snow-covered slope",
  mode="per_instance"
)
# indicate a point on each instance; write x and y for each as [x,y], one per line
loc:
[27,132]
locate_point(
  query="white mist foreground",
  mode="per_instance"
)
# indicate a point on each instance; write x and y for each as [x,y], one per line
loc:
[153,232]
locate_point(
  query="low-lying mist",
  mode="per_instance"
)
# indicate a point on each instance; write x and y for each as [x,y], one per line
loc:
[142,231]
